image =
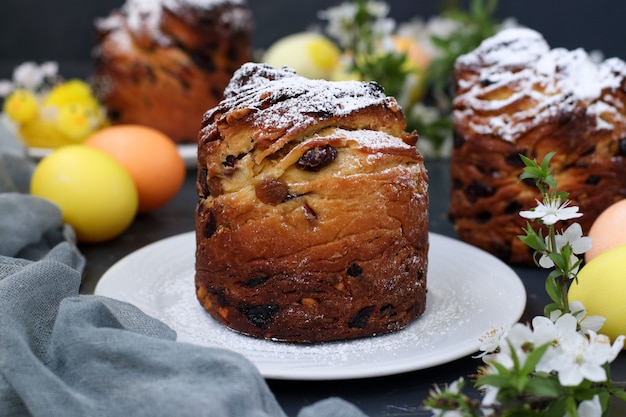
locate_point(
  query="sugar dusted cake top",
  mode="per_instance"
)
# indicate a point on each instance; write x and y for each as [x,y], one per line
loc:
[275,105]
[144,16]
[513,82]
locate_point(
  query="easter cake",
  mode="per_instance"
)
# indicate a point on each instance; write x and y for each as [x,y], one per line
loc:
[312,217]
[162,63]
[515,96]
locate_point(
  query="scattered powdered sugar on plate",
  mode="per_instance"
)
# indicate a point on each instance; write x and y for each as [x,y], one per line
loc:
[470,293]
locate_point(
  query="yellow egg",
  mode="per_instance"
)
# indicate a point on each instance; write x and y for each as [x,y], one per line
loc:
[95,193]
[601,288]
[310,54]
[608,230]
[151,158]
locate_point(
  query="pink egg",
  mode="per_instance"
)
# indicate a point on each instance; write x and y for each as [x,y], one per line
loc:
[608,230]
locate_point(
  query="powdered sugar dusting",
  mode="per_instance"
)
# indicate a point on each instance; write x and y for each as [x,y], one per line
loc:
[283,100]
[372,139]
[144,17]
[517,66]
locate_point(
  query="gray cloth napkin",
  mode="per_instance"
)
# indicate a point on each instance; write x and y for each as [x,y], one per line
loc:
[65,354]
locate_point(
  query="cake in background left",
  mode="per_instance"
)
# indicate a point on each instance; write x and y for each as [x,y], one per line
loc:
[163,63]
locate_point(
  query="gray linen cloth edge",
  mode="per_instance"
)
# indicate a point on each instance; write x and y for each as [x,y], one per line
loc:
[65,354]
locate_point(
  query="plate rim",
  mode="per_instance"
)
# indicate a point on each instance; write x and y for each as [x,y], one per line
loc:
[187,151]
[318,374]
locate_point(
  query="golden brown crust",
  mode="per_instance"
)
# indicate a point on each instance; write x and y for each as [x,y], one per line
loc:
[311,226]
[516,96]
[164,66]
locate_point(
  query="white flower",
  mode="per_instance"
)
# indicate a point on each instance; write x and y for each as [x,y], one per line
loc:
[382,30]
[340,20]
[28,75]
[573,236]
[520,341]
[589,408]
[49,69]
[583,357]
[553,332]
[453,388]
[6,88]
[378,9]
[585,322]
[490,342]
[552,211]
[490,395]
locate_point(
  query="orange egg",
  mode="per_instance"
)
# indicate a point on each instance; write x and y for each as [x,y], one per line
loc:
[608,230]
[151,158]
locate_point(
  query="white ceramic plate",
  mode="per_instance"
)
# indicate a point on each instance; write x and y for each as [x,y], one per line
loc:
[187,151]
[470,292]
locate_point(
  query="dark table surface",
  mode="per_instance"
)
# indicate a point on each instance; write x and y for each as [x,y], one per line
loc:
[396,395]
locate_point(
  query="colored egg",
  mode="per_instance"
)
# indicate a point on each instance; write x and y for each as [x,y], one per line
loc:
[95,193]
[310,54]
[601,287]
[608,230]
[151,158]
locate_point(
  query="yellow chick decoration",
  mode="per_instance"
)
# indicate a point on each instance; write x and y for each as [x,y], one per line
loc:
[21,106]
[77,121]
[50,117]
[75,111]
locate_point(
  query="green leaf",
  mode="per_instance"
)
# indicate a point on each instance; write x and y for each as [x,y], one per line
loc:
[532,239]
[495,380]
[549,308]
[533,359]
[620,394]
[571,407]
[545,163]
[560,261]
[544,386]
[556,408]
[553,289]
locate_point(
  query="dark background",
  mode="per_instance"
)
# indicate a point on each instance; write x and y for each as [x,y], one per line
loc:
[63,30]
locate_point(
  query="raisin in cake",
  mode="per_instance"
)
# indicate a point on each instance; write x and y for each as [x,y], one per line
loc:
[312,217]
[162,63]
[515,96]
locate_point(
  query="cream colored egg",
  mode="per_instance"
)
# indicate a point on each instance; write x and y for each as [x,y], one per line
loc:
[608,230]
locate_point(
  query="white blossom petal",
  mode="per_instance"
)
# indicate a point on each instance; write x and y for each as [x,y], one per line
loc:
[551,211]
[593,372]
[574,235]
[585,322]
[546,262]
[590,408]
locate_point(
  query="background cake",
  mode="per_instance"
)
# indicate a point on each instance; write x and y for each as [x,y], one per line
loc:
[312,216]
[515,96]
[162,63]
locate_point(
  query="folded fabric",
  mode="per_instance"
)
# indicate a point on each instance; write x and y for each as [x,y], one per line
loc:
[15,167]
[65,354]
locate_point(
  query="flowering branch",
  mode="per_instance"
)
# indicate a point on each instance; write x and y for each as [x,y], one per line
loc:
[558,365]
[368,37]
[364,32]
